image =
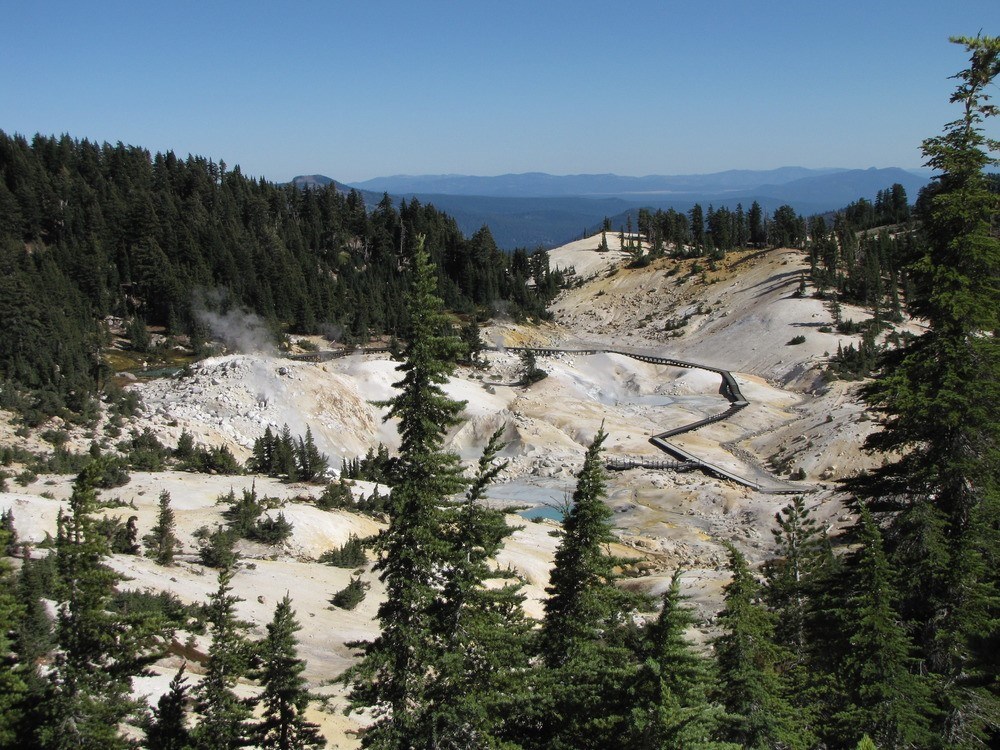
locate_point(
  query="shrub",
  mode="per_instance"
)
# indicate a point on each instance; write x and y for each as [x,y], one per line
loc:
[271,530]
[26,477]
[242,514]
[217,548]
[336,495]
[163,605]
[351,595]
[796,340]
[351,555]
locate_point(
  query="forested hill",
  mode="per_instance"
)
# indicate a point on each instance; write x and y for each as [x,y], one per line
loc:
[89,230]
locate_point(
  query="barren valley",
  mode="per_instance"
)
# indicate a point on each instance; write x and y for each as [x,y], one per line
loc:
[740,316]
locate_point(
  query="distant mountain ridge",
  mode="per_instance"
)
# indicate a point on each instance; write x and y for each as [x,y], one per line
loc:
[535,209]
[541,184]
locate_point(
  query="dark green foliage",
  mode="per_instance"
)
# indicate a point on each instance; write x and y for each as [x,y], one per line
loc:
[98,651]
[144,452]
[33,636]
[245,518]
[530,371]
[336,496]
[109,472]
[751,687]
[138,336]
[243,513]
[271,530]
[351,555]
[582,639]
[284,697]
[161,542]
[795,340]
[105,229]
[473,341]
[852,363]
[224,719]
[483,648]
[167,728]
[803,585]
[217,548]
[376,466]
[887,698]
[445,669]
[670,705]
[13,688]
[185,447]
[351,595]
[787,228]
[214,460]
[9,548]
[311,464]
[123,537]
[160,605]
[284,456]
[939,501]
[801,557]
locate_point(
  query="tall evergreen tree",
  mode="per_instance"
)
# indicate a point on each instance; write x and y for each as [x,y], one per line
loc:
[587,616]
[397,669]
[224,718]
[12,684]
[284,696]
[750,686]
[162,542]
[937,398]
[801,551]
[887,698]
[670,695]
[167,728]
[88,695]
[309,462]
[483,646]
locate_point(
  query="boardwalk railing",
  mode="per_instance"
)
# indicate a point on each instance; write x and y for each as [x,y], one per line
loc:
[616,463]
[729,389]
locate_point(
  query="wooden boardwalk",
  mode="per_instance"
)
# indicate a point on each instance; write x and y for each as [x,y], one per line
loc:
[682,460]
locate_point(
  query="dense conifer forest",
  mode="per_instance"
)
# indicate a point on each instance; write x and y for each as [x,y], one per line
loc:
[94,230]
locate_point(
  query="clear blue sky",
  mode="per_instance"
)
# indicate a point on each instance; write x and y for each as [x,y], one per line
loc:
[375,87]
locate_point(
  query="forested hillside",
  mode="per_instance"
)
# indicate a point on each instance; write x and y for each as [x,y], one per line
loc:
[88,231]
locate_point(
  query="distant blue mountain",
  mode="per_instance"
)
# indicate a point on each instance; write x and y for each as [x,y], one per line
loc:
[542,210]
[541,185]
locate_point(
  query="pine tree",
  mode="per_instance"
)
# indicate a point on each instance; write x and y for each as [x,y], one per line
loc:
[10,546]
[750,685]
[224,718]
[284,696]
[801,552]
[887,699]
[161,542]
[582,640]
[309,462]
[12,685]
[88,695]
[670,703]
[937,397]
[167,728]
[483,645]
[795,580]
[397,668]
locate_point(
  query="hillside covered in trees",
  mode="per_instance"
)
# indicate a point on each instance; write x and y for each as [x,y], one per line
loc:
[89,231]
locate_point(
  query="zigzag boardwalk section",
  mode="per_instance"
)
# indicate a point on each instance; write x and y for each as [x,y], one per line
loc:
[683,460]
